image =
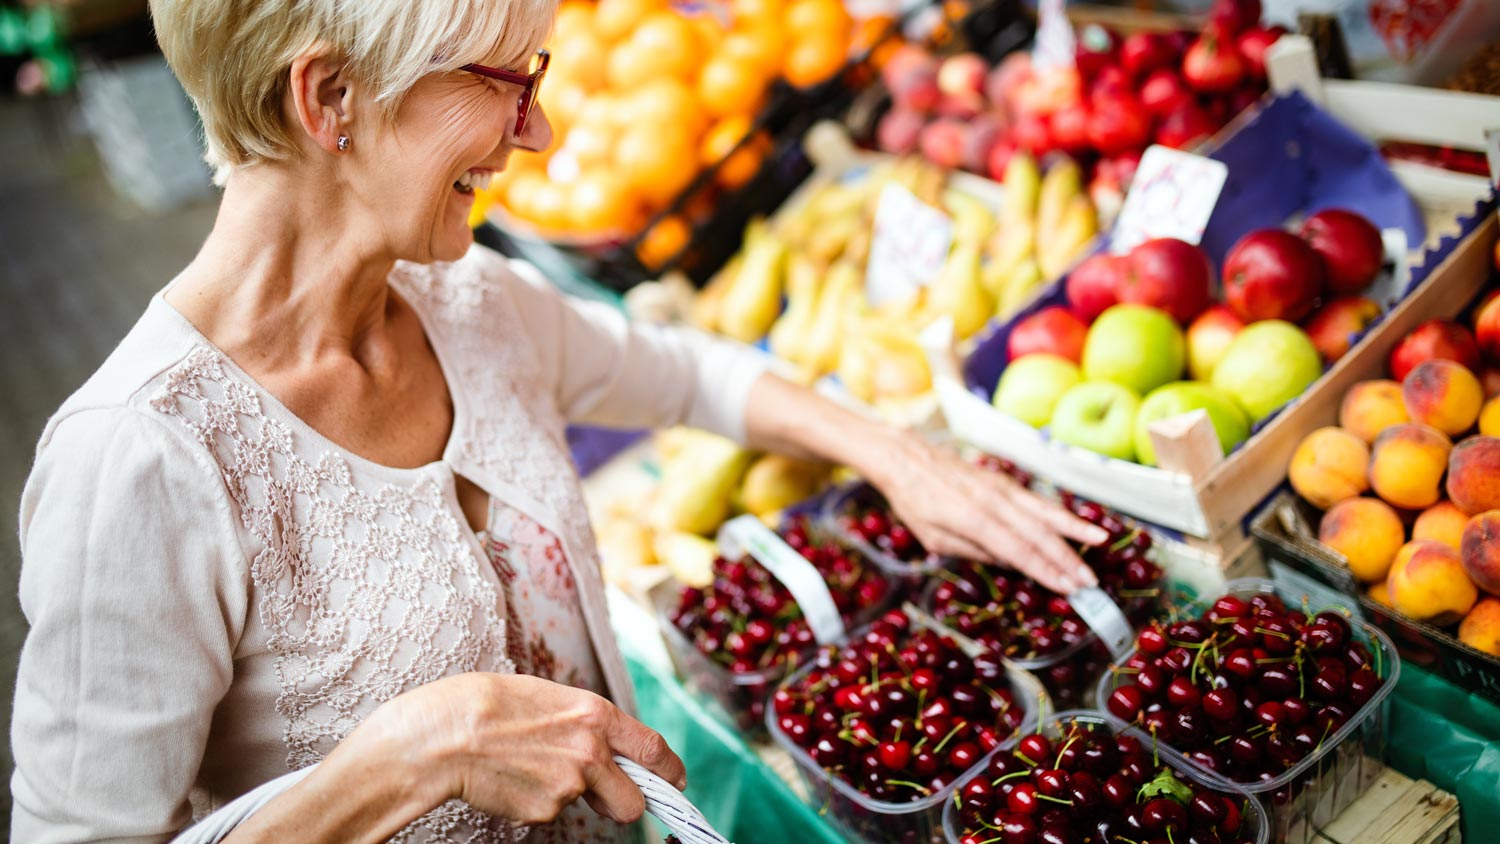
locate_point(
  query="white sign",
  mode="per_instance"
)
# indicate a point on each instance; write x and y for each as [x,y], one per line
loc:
[748,535]
[1492,153]
[908,248]
[1055,40]
[1172,195]
[1104,617]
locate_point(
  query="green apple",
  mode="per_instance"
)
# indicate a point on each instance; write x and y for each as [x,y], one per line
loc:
[1134,346]
[1030,387]
[1267,365]
[1098,416]
[1180,397]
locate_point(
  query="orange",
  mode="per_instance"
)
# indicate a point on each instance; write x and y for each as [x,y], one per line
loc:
[722,138]
[659,161]
[630,67]
[814,59]
[806,17]
[549,206]
[601,201]
[761,45]
[615,19]
[663,241]
[580,57]
[729,85]
[573,16]
[665,102]
[745,10]
[672,42]
[740,166]
[591,143]
[563,102]
[710,31]
[520,192]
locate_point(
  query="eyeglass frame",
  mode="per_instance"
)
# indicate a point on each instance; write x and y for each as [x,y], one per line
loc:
[530,83]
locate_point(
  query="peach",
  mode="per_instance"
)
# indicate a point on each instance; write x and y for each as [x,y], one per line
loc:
[1368,532]
[1443,394]
[1480,629]
[1442,522]
[1370,407]
[1489,418]
[1474,475]
[1380,594]
[1406,465]
[1329,466]
[1428,583]
[1480,551]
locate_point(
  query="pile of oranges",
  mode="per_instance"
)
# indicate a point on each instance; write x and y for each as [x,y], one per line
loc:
[642,95]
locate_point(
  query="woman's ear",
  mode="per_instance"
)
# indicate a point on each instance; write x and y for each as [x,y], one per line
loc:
[320,91]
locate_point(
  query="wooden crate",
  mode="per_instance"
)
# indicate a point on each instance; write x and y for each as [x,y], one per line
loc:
[1397,810]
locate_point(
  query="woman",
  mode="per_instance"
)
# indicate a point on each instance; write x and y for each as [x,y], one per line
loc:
[318,506]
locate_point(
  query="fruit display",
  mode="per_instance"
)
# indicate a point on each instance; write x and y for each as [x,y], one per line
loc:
[1037,629]
[1278,700]
[1080,779]
[748,625]
[1407,479]
[799,282]
[882,727]
[1140,338]
[643,94]
[1118,96]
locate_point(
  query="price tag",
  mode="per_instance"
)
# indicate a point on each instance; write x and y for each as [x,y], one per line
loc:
[1172,195]
[748,535]
[1055,41]
[1104,617]
[1492,154]
[908,248]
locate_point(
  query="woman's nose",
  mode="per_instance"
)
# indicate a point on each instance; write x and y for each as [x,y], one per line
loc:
[537,136]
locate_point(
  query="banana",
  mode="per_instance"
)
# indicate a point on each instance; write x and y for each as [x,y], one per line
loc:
[958,293]
[754,299]
[698,486]
[1012,243]
[1022,282]
[1078,226]
[1022,184]
[972,219]
[821,352]
[704,312]
[832,236]
[789,334]
[1062,182]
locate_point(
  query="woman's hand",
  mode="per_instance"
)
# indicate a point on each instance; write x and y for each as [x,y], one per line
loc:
[958,509]
[523,748]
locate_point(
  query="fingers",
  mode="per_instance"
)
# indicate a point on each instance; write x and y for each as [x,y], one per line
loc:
[639,743]
[1057,517]
[612,794]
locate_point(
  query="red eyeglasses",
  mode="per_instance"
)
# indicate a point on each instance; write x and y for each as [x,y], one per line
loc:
[530,83]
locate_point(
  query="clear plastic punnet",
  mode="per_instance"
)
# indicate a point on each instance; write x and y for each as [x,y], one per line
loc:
[1312,792]
[849,502]
[1253,819]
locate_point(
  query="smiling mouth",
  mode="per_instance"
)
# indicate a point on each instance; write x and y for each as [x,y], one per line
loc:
[472,180]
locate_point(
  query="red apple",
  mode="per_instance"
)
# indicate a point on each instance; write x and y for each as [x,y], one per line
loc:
[979,136]
[1208,338]
[1184,127]
[898,129]
[915,86]
[1070,128]
[999,157]
[1164,91]
[1031,132]
[962,76]
[1110,83]
[1053,330]
[1253,44]
[1012,72]
[1094,284]
[1235,16]
[1098,48]
[1437,338]
[1143,52]
[1487,325]
[1349,245]
[1213,64]
[1119,124]
[1333,327]
[1272,274]
[1171,275]
[942,142]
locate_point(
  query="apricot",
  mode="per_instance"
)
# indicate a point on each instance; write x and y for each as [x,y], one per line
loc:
[1368,532]
[1442,522]
[1407,463]
[1380,594]
[1489,418]
[1443,394]
[1480,629]
[1428,583]
[1329,466]
[1480,551]
[1474,475]
[1370,407]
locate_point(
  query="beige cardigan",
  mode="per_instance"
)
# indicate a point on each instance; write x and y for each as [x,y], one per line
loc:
[218,594]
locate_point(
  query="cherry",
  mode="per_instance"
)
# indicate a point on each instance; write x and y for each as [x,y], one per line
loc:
[1182,692]
[895,755]
[1052,782]
[963,755]
[1221,704]
[1296,709]
[1023,799]
[1176,660]
[977,792]
[1151,680]
[924,763]
[1244,750]
[1362,686]
[1117,791]
[1163,814]
[1152,641]
[1019,828]
[1035,747]
[1229,607]
[1271,713]
[1278,680]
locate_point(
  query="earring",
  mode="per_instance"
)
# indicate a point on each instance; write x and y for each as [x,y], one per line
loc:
[343,143]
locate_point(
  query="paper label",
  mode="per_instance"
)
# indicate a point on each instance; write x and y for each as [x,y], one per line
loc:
[908,247]
[1172,195]
[1055,41]
[1104,617]
[749,535]
[1292,585]
[1492,154]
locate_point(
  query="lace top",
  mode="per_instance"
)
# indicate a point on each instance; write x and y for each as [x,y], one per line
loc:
[218,594]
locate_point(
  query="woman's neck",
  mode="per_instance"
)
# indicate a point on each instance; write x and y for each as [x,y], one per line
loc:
[291,271]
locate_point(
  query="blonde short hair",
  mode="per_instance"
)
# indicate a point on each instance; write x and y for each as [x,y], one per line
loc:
[232,56]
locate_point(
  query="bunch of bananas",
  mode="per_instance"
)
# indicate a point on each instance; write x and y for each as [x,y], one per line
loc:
[813,256]
[705,479]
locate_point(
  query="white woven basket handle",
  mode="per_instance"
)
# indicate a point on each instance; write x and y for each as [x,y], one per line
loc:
[663,801]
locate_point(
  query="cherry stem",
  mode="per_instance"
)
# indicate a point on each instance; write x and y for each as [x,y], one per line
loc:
[924,790]
[1010,776]
[1054,799]
[1064,749]
[951,733]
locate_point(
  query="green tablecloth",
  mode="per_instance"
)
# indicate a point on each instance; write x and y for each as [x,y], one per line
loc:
[1451,738]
